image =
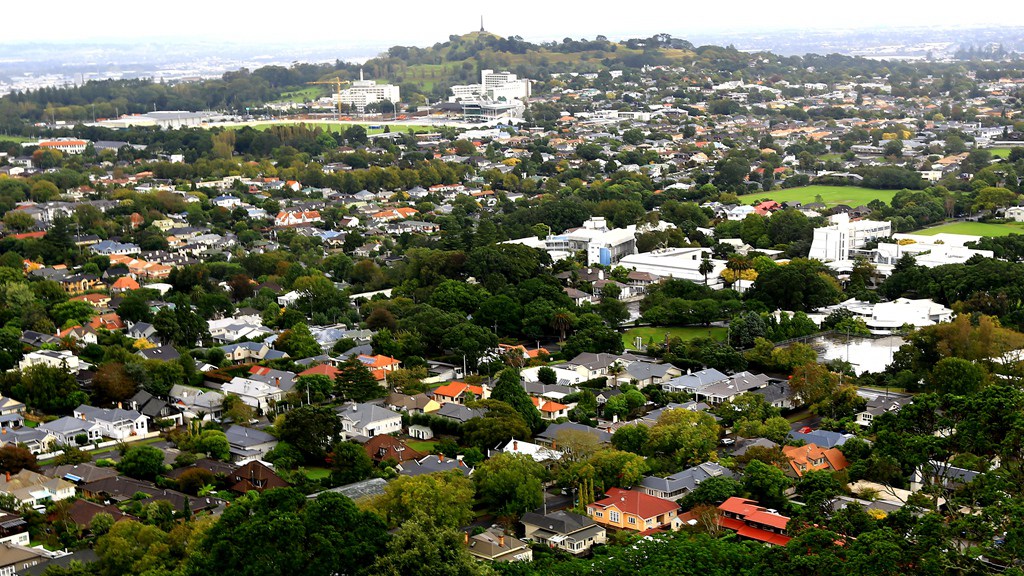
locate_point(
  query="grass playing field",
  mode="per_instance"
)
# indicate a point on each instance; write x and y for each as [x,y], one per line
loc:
[974,229]
[341,127]
[999,152]
[657,334]
[852,196]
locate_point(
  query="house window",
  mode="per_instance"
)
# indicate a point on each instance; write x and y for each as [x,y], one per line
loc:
[613,516]
[632,520]
[599,514]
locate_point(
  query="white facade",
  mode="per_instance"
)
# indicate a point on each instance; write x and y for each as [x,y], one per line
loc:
[602,245]
[885,317]
[365,92]
[253,393]
[52,358]
[930,251]
[495,86]
[679,263]
[833,243]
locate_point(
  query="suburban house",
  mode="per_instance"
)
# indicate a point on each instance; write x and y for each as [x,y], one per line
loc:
[648,373]
[418,404]
[550,410]
[433,463]
[692,383]
[297,218]
[550,435]
[255,475]
[878,404]
[67,429]
[494,545]
[63,359]
[379,365]
[541,454]
[196,403]
[636,511]
[383,448]
[458,392]
[751,521]
[368,420]
[248,444]
[564,530]
[803,459]
[13,530]
[115,423]
[253,393]
[34,489]
[677,485]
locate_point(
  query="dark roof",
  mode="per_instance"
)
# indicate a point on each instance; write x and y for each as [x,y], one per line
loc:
[560,522]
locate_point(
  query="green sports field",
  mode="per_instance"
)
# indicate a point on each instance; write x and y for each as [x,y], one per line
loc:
[852,196]
[341,127]
[974,229]
[999,152]
[657,334]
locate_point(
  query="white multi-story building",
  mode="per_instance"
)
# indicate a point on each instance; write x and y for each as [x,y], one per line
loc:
[65,145]
[679,263]
[494,86]
[602,245]
[364,92]
[834,242]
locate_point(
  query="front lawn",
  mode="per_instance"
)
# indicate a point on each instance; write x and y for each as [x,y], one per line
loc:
[657,334]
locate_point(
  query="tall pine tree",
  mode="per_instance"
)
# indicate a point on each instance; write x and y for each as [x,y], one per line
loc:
[509,390]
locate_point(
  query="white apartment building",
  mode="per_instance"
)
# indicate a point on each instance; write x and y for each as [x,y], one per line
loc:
[679,263]
[364,92]
[493,86]
[833,243]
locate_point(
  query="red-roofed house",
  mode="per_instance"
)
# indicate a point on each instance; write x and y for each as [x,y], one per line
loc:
[321,370]
[634,511]
[767,207]
[751,521]
[813,457]
[98,301]
[527,354]
[457,392]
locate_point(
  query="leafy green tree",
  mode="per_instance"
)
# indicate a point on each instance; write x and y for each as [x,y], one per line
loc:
[48,388]
[355,382]
[14,459]
[142,462]
[446,498]
[214,444]
[298,342]
[471,341]
[509,389]
[712,492]
[765,483]
[592,335]
[349,463]
[958,377]
[312,430]
[687,437]
[510,484]
[275,532]
[802,285]
[421,546]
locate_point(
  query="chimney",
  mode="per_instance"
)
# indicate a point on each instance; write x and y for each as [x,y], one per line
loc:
[8,474]
[501,541]
[277,381]
[118,405]
[515,446]
[554,445]
[440,458]
[466,539]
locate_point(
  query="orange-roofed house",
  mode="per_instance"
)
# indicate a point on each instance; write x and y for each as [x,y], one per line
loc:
[527,354]
[379,365]
[109,321]
[458,392]
[767,207]
[635,511]
[124,284]
[550,410]
[751,521]
[803,459]
[297,218]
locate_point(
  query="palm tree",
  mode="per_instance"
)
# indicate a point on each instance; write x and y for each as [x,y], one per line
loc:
[706,267]
[562,321]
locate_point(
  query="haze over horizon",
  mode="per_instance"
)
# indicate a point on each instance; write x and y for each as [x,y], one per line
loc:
[413,23]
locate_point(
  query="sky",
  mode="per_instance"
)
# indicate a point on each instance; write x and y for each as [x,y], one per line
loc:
[420,22]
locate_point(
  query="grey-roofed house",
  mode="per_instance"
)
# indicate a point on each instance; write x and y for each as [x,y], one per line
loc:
[115,423]
[496,546]
[648,373]
[154,408]
[67,428]
[679,484]
[694,382]
[776,393]
[248,444]
[549,391]
[878,404]
[458,412]
[35,440]
[942,474]
[358,490]
[433,463]
[727,390]
[744,444]
[196,403]
[822,438]
[692,406]
[568,531]
[368,420]
[82,473]
[550,435]
[165,353]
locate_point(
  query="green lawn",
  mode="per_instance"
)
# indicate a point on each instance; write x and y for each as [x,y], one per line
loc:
[16,139]
[300,96]
[999,152]
[424,446]
[852,196]
[316,473]
[974,229]
[657,334]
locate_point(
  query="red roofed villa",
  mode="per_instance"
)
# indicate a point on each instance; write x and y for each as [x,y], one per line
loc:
[751,521]
[634,511]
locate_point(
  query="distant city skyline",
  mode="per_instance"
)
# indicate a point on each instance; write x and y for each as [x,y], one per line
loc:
[405,22]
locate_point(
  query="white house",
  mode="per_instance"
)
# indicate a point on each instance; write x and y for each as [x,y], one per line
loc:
[115,423]
[33,489]
[253,393]
[1015,213]
[64,359]
[368,420]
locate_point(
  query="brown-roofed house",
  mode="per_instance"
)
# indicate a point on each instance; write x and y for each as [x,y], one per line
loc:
[809,457]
